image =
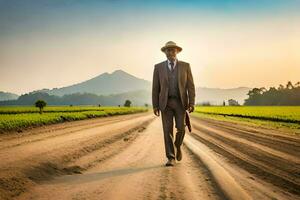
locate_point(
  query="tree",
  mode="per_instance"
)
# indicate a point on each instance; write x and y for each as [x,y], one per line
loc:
[254,96]
[127,103]
[289,95]
[289,85]
[40,104]
[232,102]
[281,87]
[262,90]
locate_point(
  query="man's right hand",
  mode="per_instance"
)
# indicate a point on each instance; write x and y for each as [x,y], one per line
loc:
[156,112]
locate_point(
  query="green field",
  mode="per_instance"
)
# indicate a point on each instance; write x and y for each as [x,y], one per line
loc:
[19,117]
[275,116]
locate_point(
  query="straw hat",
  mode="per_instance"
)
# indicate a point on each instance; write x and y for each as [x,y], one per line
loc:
[171,44]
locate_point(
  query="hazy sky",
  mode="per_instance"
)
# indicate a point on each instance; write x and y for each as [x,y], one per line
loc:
[229,43]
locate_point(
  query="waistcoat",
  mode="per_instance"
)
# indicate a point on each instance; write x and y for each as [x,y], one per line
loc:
[173,81]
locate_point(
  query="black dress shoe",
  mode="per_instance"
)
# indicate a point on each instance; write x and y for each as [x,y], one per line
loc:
[171,162]
[178,154]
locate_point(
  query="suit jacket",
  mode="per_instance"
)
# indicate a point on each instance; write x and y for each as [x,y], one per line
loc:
[160,85]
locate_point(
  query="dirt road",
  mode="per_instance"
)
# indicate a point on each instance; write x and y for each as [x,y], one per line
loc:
[123,157]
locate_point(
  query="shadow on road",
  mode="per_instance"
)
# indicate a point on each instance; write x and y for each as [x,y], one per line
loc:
[89,177]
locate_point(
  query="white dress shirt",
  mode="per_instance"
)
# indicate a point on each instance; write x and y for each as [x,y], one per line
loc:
[169,65]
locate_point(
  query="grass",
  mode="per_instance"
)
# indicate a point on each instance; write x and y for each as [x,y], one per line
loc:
[18,118]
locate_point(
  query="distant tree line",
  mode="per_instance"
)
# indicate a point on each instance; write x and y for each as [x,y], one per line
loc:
[70,99]
[283,95]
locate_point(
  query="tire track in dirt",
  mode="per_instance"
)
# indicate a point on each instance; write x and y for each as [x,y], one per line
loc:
[138,172]
[13,139]
[126,160]
[25,170]
[231,189]
[262,161]
[266,152]
[275,139]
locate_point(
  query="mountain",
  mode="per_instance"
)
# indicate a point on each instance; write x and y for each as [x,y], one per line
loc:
[214,96]
[118,81]
[115,88]
[4,96]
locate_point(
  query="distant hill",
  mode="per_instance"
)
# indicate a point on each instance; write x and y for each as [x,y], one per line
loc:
[7,96]
[118,81]
[137,97]
[114,88]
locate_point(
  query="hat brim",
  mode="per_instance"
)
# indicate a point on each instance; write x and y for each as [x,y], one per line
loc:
[168,47]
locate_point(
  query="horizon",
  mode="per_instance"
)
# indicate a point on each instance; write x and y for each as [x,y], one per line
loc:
[229,44]
[114,72]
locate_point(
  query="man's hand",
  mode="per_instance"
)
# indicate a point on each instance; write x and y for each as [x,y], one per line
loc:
[156,112]
[191,109]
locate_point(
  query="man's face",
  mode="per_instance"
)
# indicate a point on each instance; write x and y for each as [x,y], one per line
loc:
[171,53]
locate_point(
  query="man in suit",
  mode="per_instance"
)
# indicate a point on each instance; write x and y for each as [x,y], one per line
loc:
[173,92]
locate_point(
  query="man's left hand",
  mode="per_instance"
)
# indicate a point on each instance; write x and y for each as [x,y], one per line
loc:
[191,109]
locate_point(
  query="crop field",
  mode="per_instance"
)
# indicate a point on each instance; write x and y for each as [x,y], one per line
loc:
[273,113]
[18,117]
[278,116]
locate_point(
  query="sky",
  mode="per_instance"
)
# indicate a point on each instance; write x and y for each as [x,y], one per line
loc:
[228,43]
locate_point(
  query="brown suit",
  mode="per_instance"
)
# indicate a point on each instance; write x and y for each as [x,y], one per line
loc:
[160,85]
[173,107]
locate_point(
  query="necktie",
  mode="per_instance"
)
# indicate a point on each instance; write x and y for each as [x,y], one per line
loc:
[172,65]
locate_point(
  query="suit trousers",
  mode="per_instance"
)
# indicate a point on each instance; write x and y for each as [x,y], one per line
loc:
[174,108]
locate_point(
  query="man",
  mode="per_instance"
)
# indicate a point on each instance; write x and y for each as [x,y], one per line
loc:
[173,92]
